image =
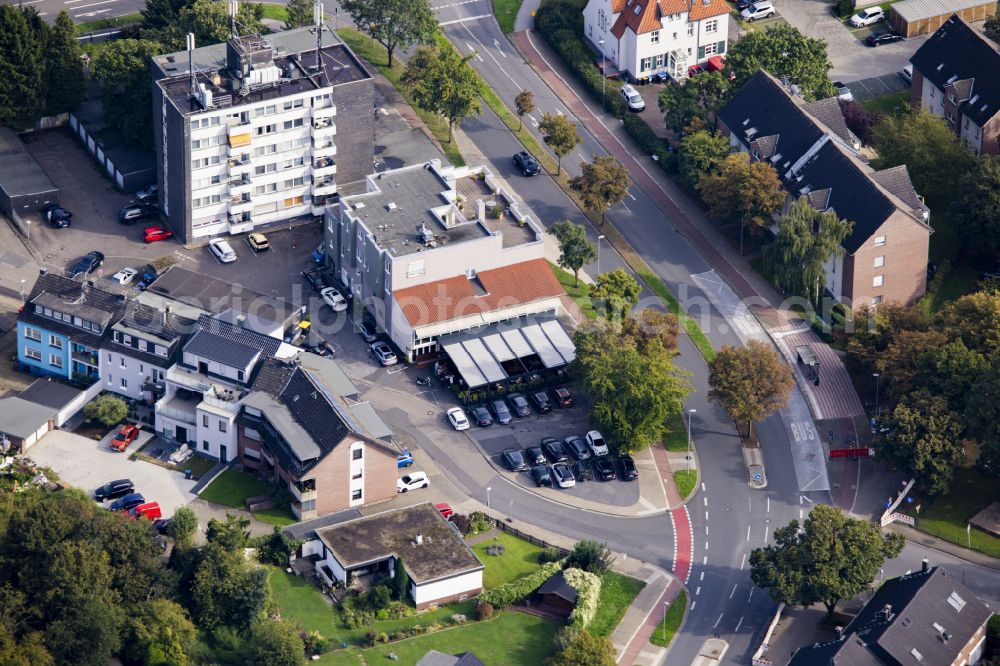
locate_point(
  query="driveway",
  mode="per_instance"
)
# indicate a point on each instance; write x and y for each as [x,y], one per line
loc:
[87,464]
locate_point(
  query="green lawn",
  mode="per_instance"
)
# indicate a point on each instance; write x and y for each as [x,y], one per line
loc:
[671,623]
[580,293]
[676,438]
[946,516]
[232,488]
[100,24]
[506,13]
[617,594]
[685,481]
[279,515]
[889,104]
[302,604]
[276,12]
[376,54]
[519,559]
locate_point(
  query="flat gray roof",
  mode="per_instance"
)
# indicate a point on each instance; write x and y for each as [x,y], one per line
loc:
[281,419]
[330,374]
[50,393]
[21,418]
[370,421]
[20,174]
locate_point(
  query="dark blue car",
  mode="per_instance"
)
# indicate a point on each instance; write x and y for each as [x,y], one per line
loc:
[128,502]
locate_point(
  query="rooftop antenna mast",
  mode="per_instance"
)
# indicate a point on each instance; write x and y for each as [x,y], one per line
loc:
[190,50]
[233,9]
[318,20]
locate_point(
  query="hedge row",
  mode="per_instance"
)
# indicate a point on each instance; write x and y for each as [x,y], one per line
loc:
[588,591]
[514,591]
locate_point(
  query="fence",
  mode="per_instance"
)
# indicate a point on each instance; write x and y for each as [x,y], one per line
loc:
[890,515]
[510,529]
[758,658]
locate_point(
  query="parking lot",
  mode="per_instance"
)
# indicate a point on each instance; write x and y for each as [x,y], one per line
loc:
[87,464]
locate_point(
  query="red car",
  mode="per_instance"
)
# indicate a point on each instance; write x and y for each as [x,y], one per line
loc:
[563,397]
[153,234]
[445,509]
[124,437]
[149,510]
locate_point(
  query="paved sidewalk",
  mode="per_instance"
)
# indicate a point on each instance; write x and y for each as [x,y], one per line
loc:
[631,638]
[924,539]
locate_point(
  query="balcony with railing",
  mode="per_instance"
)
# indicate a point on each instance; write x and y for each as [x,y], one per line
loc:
[178,408]
[88,358]
[324,128]
[241,222]
[324,166]
[324,185]
[240,186]
[324,147]
[302,491]
[239,205]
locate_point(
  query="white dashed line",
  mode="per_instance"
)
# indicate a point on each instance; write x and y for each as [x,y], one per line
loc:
[697,591]
[734,591]
[718,621]
[738,625]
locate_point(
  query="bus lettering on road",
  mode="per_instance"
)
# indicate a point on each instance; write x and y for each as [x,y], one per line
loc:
[803,431]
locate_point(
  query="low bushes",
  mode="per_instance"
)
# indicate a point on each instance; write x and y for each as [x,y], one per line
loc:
[588,591]
[516,590]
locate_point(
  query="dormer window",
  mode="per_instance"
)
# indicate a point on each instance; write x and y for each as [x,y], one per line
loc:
[638,8]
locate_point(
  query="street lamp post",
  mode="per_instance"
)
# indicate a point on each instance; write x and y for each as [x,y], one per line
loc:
[488,497]
[599,239]
[876,375]
[604,77]
[690,413]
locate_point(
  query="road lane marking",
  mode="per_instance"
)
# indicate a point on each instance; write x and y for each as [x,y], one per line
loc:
[702,486]
[750,596]
[748,532]
[693,604]
[738,625]
[768,505]
[496,42]
[94,4]
[473,35]
[467,18]
[706,545]
[697,591]
[735,585]
[704,561]
[705,500]
[766,528]
[706,515]
[718,621]
[454,4]
[702,577]
[743,561]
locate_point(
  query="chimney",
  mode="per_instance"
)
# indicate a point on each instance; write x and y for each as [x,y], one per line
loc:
[924,565]
[241,320]
[420,539]
[166,314]
[887,611]
[43,271]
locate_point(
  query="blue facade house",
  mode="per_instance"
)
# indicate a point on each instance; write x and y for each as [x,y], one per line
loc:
[62,327]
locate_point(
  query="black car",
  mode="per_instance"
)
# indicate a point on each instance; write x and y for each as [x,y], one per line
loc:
[743,4]
[368,331]
[541,401]
[88,263]
[316,279]
[541,475]
[604,469]
[500,411]
[553,448]
[535,455]
[114,490]
[319,347]
[885,37]
[578,448]
[148,194]
[513,460]
[527,164]
[134,213]
[629,472]
[518,404]
[481,416]
[59,218]
[127,502]
[582,472]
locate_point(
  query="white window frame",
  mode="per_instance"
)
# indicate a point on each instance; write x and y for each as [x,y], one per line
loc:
[879,241]
[878,280]
[56,361]
[33,354]
[879,261]
[654,37]
[32,334]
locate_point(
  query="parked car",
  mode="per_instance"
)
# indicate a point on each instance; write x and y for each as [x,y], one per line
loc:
[316,279]
[541,475]
[582,472]
[222,250]
[133,213]
[743,4]
[148,277]
[58,217]
[124,437]
[127,502]
[333,298]
[258,242]
[604,469]
[319,347]
[518,404]
[695,70]
[540,399]
[868,16]
[162,525]
[513,460]
[563,475]
[553,448]
[907,73]
[124,276]
[481,415]
[445,510]
[154,234]
[562,397]
[384,353]
[412,482]
[458,419]
[885,37]
[526,162]
[598,446]
[148,510]
[535,456]
[368,331]
[577,448]
[758,10]
[148,194]
[88,263]
[404,459]
[629,471]
[633,100]
[500,411]
[114,490]
[843,92]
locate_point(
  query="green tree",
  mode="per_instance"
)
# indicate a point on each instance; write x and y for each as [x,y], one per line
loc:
[86,634]
[276,644]
[300,13]
[107,409]
[393,23]
[634,392]
[590,555]
[585,649]
[749,382]
[700,153]
[617,291]
[933,155]
[922,438]
[832,557]
[976,207]
[159,15]
[700,97]
[183,526]
[210,21]
[602,184]
[65,67]
[400,581]
[22,68]
[28,650]
[743,192]
[159,626]
[276,548]
[441,81]
[227,590]
[122,69]
[231,534]
[950,371]
[991,28]
[785,53]
[574,248]
[648,325]
[982,413]
[806,240]
[523,103]
[559,134]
